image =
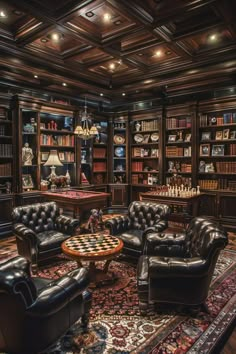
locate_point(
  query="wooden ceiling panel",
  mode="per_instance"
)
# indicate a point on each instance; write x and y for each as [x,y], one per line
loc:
[155,55]
[90,56]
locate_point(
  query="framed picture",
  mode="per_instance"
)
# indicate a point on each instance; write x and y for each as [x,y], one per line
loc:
[219,135]
[218,150]
[187,137]
[27,181]
[232,134]
[226,134]
[206,136]
[154,152]
[209,167]
[186,151]
[44,156]
[150,180]
[42,126]
[205,150]
[171,138]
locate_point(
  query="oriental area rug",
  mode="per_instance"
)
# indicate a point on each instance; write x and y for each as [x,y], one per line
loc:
[117,327]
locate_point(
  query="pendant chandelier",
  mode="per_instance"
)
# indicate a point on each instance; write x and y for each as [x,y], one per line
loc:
[83,130]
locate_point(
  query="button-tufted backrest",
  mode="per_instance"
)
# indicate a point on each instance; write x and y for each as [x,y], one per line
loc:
[203,236]
[38,217]
[146,214]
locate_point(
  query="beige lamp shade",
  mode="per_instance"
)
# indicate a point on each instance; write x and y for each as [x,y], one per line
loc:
[53,159]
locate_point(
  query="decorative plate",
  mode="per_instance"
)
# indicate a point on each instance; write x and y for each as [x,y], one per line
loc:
[155,137]
[120,151]
[138,138]
[119,139]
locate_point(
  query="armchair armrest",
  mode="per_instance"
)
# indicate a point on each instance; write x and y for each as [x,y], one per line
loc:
[60,292]
[67,224]
[17,263]
[24,232]
[166,244]
[118,224]
[163,267]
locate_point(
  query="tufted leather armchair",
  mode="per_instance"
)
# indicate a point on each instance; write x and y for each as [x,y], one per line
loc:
[142,218]
[40,230]
[178,268]
[36,312]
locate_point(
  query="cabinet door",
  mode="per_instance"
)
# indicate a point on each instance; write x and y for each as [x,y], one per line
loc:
[119,195]
[208,205]
[6,206]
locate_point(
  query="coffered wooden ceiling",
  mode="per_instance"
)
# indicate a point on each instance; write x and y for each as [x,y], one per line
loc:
[118,46]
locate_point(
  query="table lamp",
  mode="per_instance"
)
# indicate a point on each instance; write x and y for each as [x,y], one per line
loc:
[53,161]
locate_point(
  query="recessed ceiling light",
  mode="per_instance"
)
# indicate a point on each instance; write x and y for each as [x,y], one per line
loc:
[36,76]
[158,53]
[123,93]
[106,17]
[101,94]
[213,37]
[140,54]
[64,84]
[44,40]
[112,66]
[2,14]
[147,81]
[168,52]
[117,23]
[56,36]
[89,14]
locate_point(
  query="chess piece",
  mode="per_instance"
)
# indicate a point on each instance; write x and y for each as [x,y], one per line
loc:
[27,155]
[68,179]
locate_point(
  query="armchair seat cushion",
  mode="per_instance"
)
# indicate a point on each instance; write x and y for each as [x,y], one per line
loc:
[132,238]
[52,239]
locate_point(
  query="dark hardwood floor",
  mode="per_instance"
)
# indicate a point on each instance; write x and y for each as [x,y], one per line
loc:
[230,345]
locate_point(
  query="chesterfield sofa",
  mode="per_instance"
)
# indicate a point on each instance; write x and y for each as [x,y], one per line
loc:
[178,268]
[36,312]
[142,218]
[40,230]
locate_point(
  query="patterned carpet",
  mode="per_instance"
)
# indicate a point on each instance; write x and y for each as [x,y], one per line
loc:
[116,326]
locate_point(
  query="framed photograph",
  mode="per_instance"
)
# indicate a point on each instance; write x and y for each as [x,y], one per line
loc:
[44,156]
[218,150]
[150,180]
[205,150]
[226,134]
[186,151]
[206,136]
[27,182]
[154,152]
[232,134]
[219,135]
[187,137]
[171,138]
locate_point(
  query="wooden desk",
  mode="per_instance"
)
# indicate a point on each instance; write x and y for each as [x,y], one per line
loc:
[79,201]
[183,209]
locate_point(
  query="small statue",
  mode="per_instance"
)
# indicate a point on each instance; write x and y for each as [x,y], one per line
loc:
[95,220]
[137,126]
[27,155]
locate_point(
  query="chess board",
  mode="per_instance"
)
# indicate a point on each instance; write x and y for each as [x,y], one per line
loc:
[92,245]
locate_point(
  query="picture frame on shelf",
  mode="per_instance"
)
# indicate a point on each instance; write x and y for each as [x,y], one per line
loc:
[186,151]
[27,182]
[42,126]
[225,134]
[188,137]
[154,152]
[206,136]
[44,156]
[218,150]
[205,150]
[171,138]
[61,155]
[219,135]
[232,134]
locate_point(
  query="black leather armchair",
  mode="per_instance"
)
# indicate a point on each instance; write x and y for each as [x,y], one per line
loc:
[178,268]
[36,312]
[40,230]
[142,218]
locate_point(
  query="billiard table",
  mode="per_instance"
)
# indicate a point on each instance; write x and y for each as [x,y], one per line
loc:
[80,202]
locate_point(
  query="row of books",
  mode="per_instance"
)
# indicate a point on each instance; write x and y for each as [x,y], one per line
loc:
[5,169]
[99,153]
[60,140]
[182,122]
[140,152]
[149,125]
[2,130]
[6,150]
[220,119]
[208,184]
[226,167]
[172,151]
[67,156]
[99,166]
[221,183]
[3,113]
[232,149]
